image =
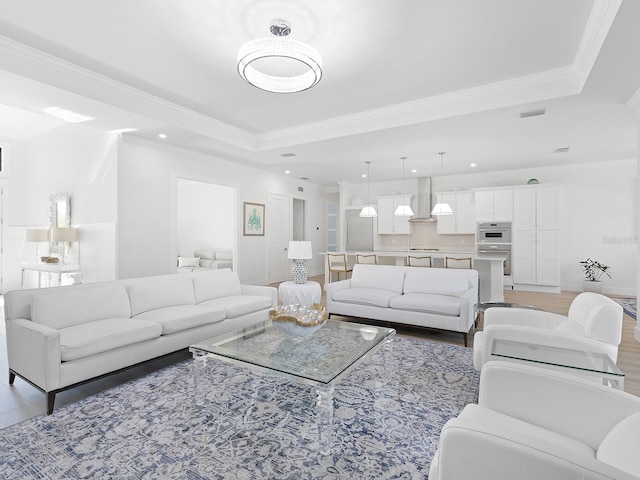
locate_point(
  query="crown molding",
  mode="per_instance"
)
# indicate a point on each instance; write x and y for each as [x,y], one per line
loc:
[21,59]
[596,30]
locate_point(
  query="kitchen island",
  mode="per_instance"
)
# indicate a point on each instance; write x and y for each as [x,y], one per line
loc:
[489,266]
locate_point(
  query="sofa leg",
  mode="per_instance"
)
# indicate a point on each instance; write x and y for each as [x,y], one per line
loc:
[51,398]
[12,377]
[464,335]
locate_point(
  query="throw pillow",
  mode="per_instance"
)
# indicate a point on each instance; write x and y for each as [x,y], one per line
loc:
[188,262]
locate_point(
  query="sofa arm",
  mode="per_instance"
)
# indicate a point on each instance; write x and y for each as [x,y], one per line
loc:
[334,287]
[468,301]
[523,317]
[261,291]
[34,352]
[566,404]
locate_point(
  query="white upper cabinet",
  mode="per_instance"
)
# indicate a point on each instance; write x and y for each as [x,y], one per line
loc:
[536,208]
[463,219]
[388,223]
[494,205]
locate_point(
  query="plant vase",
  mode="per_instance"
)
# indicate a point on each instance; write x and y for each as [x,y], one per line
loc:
[591,286]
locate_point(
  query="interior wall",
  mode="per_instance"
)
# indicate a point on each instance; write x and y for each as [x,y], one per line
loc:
[146,223]
[74,159]
[208,228]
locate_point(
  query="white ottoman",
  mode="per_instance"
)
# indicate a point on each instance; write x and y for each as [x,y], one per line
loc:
[292,293]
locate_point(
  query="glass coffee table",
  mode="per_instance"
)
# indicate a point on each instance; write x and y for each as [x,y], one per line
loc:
[579,362]
[319,360]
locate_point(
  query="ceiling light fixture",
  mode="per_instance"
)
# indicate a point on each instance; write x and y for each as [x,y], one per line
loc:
[279,64]
[368,210]
[162,135]
[442,208]
[66,115]
[404,210]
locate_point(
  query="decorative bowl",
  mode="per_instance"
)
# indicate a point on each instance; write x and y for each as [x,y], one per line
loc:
[298,320]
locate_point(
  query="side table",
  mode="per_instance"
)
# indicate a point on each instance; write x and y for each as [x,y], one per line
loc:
[292,293]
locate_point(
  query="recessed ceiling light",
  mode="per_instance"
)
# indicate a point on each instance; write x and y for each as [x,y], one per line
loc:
[472,164]
[287,172]
[162,135]
[66,115]
[364,175]
[414,170]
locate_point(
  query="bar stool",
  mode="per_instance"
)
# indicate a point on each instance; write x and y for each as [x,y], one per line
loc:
[367,258]
[419,261]
[458,262]
[338,264]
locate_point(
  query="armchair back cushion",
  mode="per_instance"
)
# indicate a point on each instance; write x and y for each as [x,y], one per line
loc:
[383,277]
[620,447]
[599,317]
[154,295]
[222,283]
[66,309]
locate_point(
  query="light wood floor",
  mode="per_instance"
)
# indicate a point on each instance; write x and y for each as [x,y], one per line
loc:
[628,352]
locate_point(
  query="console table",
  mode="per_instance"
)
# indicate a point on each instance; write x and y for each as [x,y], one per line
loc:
[57,269]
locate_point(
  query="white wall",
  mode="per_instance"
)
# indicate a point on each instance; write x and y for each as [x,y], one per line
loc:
[147,178]
[74,159]
[205,217]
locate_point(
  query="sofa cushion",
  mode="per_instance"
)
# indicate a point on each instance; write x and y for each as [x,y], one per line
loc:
[382,277]
[224,255]
[188,262]
[182,317]
[428,303]
[90,338]
[620,447]
[436,280]
[74,306]
[216,284]
[154,295]
[365,296]
[236,306]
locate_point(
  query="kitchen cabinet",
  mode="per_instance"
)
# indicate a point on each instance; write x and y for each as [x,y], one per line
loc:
[388,223]
[535,207]
[536,258]
[463,219]
[493,205]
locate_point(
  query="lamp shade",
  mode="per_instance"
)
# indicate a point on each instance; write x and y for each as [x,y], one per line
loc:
[403,211]
[299,250]
[36,235]
[368,211]
[64,234]
[442,209]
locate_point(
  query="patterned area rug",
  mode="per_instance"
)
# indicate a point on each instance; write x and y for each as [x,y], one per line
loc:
[388,417]
[628,305]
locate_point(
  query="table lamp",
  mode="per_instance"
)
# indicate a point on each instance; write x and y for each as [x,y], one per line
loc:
[36,235]
[64,235]
[299,252]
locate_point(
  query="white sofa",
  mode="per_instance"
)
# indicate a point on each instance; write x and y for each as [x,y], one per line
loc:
[593,324]
[531,424]
[62,336]
[436,298]
[206,259]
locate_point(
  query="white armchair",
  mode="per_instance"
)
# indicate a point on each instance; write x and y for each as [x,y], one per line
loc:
[593,324]
[532,423]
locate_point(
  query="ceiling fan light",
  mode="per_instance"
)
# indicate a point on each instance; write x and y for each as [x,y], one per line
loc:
[368,211]
[442,209]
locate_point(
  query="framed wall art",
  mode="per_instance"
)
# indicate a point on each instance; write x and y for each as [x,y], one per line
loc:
[253,219]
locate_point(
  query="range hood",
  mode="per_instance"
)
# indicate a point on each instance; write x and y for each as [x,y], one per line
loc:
[424,202]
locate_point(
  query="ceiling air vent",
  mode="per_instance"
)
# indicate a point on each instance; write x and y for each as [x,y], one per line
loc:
[561,150]
[288,154]
[533,113]
[300,189]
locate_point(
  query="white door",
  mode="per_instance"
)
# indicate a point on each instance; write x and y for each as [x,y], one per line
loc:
[276,222]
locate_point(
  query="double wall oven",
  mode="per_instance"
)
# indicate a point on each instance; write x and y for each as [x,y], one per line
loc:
[495,238]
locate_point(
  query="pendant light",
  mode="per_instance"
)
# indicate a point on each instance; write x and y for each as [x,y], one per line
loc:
[442,208]
[368,210]
[404,210]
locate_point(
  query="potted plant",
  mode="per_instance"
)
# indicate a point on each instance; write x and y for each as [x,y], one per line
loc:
[593,270]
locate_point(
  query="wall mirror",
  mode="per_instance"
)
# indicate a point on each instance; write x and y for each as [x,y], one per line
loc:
[60,210]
